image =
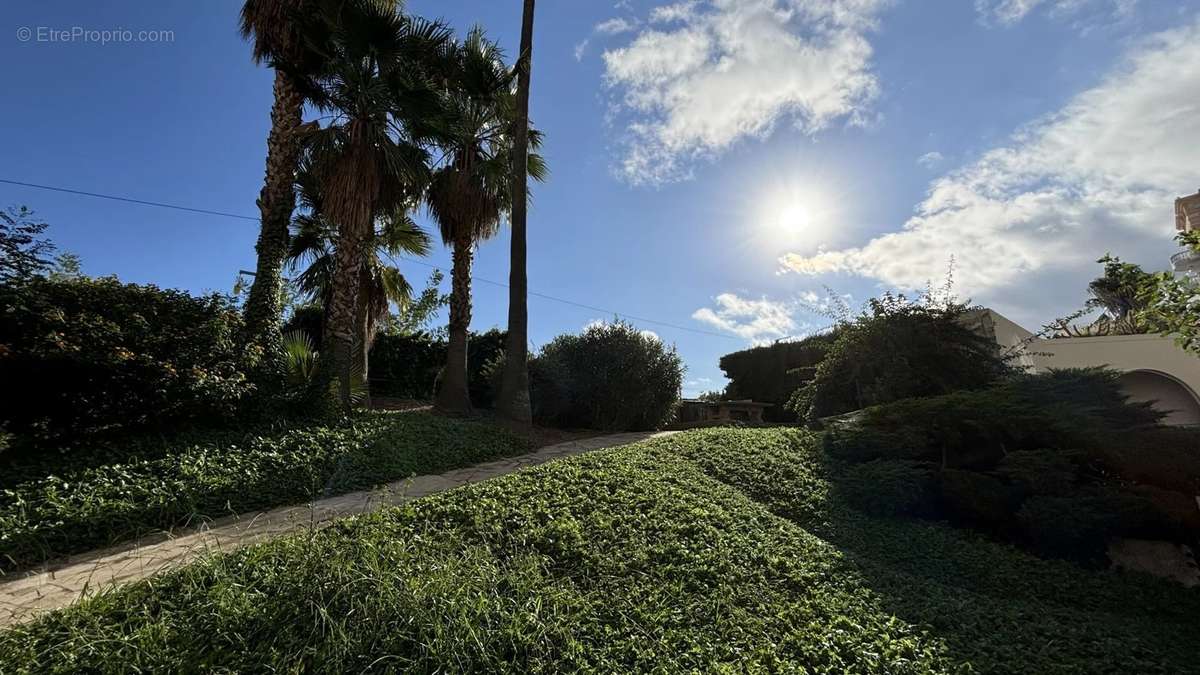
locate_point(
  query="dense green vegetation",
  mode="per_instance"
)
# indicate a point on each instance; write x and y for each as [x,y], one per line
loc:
[1060,461]
[770,373]
[49,508]
[720,549]
[611,376]
[896,349]
[82,357]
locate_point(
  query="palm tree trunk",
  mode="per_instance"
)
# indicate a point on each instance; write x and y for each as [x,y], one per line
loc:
[363,335]
[264,309]
[453,397]
[513,400]
[338,342]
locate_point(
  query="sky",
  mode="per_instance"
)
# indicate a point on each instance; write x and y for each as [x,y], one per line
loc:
[719,169]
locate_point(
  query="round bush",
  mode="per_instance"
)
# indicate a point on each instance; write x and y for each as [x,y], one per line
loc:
[611,377]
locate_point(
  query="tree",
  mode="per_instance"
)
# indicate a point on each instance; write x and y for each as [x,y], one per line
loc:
[472,190]
[22,252]
[369,158]
[899,349]
[513,399]
[313,248]
[1173,302]
[275,29]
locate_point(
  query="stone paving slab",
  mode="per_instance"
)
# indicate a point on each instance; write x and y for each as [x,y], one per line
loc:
[65,581]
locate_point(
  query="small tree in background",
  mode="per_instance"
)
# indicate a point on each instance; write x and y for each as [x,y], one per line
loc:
[612,377]
[897,349]
[22,252]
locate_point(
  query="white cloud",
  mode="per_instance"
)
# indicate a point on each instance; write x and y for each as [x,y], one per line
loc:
[1030,217]
[758,321]
[680,11]
[726,70]
[1009,12]
[581,49]
[930,159]
[616,26]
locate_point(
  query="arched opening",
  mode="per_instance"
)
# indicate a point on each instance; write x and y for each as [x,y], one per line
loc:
[1168,394]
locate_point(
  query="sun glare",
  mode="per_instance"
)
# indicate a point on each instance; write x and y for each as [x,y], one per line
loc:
[796,217]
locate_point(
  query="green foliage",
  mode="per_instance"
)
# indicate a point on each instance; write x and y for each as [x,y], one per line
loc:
[97,356]
[611,377]
[75,510]
[23,254]
[407,365]
[416,316]
[889,487]
[770,373]
[1063,409]
[722,550]
[1013,452]
[898,349]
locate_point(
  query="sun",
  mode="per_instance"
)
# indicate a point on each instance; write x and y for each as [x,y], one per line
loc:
[796,217]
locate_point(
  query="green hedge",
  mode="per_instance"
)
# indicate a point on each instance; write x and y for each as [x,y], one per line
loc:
[408,366]
[713,551]
[81,357]
[75,511]
[770,373]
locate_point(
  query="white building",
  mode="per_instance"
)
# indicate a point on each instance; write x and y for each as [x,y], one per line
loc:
[1154,368]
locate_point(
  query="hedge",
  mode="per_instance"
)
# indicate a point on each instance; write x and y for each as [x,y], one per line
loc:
[83,357]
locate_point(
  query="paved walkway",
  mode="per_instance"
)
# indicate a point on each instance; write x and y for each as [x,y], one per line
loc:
[60,583]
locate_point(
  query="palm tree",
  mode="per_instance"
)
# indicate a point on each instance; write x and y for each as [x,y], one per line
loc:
[277,37]
[368,159]
[471,191]
[313,248]
[513,399]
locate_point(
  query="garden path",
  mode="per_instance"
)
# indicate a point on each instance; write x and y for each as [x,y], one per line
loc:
[62,582]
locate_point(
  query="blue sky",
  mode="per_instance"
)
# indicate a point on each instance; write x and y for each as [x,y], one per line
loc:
[714,164]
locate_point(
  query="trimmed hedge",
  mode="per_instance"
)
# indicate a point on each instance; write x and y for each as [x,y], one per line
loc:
[691,553]
[75,511]
[770,373]
[408,366]
[81,357]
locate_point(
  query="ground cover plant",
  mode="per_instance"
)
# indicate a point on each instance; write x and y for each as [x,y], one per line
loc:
[720,549]
[210,475]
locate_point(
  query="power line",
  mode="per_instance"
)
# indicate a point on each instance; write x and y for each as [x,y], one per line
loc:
[127,199]
[412,260]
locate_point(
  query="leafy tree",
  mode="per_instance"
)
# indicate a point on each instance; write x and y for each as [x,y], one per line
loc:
[897,349]
[416,316]
[513,399]
[472,189]
[1174,301]
[369,159]
[22,252]
[313,250]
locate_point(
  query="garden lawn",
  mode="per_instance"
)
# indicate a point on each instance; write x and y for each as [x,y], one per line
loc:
[210,475]
[712,550]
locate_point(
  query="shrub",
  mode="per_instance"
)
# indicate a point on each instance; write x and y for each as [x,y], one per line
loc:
[896,350]
[408,365]
[1077,526]
[84,356]
[611,377]
[977,499]
[889,487]
[770,373]
[1061,409]
[1042,472]
[1165,457]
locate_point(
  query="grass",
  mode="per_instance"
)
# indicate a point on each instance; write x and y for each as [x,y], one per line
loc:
[206,476]
[726,550]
